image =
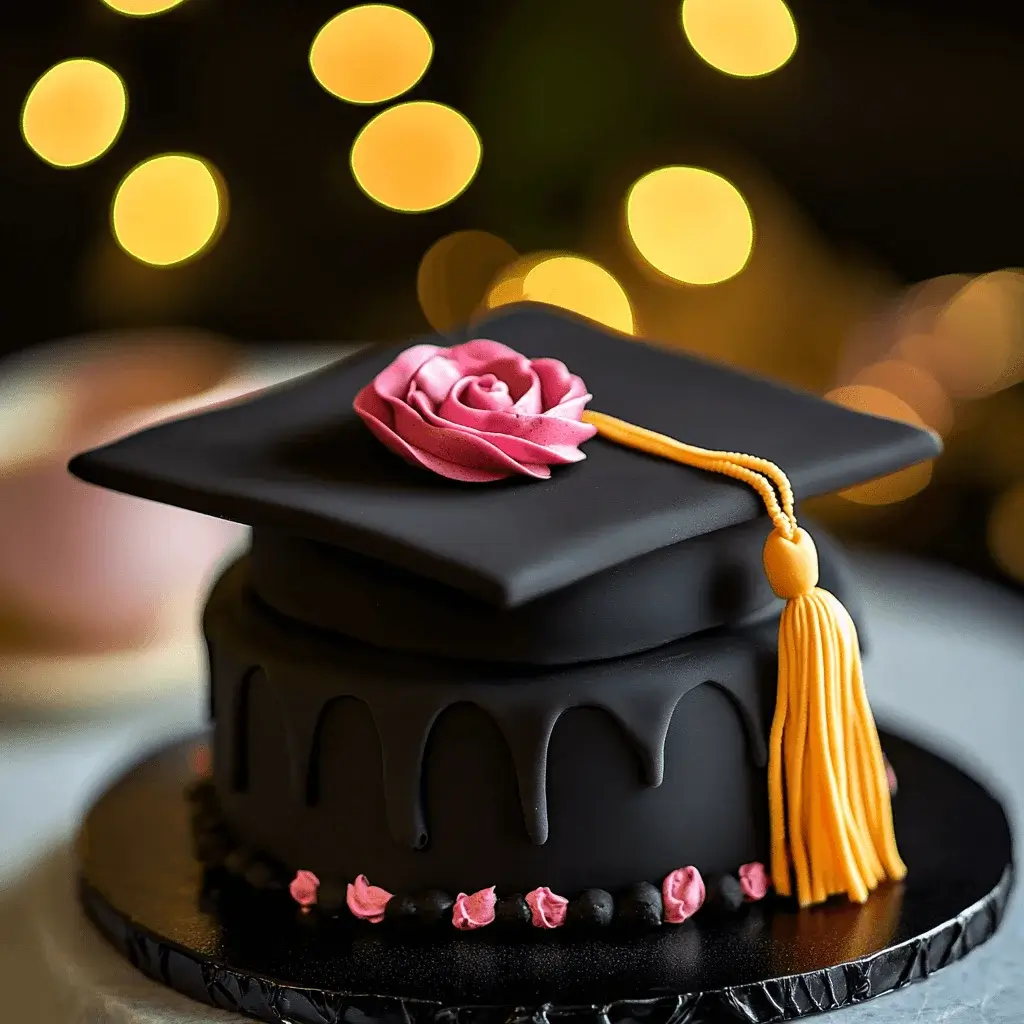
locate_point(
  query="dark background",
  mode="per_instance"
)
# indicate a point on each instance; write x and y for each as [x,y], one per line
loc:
[888,150]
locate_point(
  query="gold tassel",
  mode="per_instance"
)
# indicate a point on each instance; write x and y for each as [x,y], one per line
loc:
[829,805]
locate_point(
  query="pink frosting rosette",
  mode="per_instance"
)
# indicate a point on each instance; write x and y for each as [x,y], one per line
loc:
[682,894]
[477,412]
[303,888]
[476,911]
[754,881]
[367,902]
[547,908]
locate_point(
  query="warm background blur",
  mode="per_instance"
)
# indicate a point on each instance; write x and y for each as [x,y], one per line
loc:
[826,193]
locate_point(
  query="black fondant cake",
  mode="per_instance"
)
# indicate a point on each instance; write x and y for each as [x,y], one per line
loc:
[562,688]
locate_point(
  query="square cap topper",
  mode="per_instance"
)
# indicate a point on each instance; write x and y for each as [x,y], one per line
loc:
[298,459]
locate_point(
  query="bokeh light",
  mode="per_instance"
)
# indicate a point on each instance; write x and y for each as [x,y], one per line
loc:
[893,487]
[74,112]
[690,224]
[371,53]
[569,282]
[745,38]
[977,341]
[455,273]
[142,8]
[416,156]
[168,209]
[916,387]
[1006,531]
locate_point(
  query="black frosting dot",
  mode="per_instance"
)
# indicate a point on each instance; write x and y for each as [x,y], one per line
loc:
[512,910]
[331,898]
[260,875]
[640,904]
[724,894]
[595,907]
[402,909]
[425,909]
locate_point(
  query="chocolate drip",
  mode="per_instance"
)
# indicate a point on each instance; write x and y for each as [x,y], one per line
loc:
[406,697]
[404,730]
[527,731]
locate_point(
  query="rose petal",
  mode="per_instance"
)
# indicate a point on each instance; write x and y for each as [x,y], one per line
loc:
[523,438]
[395,378]
[466,447]
[436,377]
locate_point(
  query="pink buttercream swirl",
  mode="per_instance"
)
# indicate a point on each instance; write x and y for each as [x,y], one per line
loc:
[754,881]
[547,909]
[303,888]
[474,911]
[477,412]
[367,902]
[682,894]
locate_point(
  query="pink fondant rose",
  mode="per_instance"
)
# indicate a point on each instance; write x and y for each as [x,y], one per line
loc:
[303,888]
[367,902]
[754,881]
[547,909]
[474,911]
[477,412]
[682,894]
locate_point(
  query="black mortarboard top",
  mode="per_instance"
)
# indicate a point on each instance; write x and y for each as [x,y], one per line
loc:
[617,553]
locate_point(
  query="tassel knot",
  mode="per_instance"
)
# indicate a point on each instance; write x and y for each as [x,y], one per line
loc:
[791,563]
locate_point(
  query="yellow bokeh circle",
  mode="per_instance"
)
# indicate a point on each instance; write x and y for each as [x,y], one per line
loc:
[893,487]
[142,8]
[581,286]
[416,156]
[74,112]
[371,53]
[690,224]
[744,38]
[168,209]
[454,275]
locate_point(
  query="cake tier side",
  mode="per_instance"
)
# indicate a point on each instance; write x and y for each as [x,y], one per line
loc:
[344,759]
[707,582]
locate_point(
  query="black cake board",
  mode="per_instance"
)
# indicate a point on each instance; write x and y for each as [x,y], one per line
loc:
[259,955]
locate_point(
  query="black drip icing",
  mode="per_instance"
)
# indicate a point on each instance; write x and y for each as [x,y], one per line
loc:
[526,721]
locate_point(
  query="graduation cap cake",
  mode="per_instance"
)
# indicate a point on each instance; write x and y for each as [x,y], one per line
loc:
[523,637]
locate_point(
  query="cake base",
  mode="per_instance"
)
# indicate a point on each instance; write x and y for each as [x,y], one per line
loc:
[142,886]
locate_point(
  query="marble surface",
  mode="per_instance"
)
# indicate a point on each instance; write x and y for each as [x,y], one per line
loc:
[946,666]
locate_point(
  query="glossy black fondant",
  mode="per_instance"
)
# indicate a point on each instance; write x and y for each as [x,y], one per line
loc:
[345,759]
[297,460]
[708,581]
[144,889]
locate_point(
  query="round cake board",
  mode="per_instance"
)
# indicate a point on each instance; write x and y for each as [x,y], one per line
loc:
[260,955]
